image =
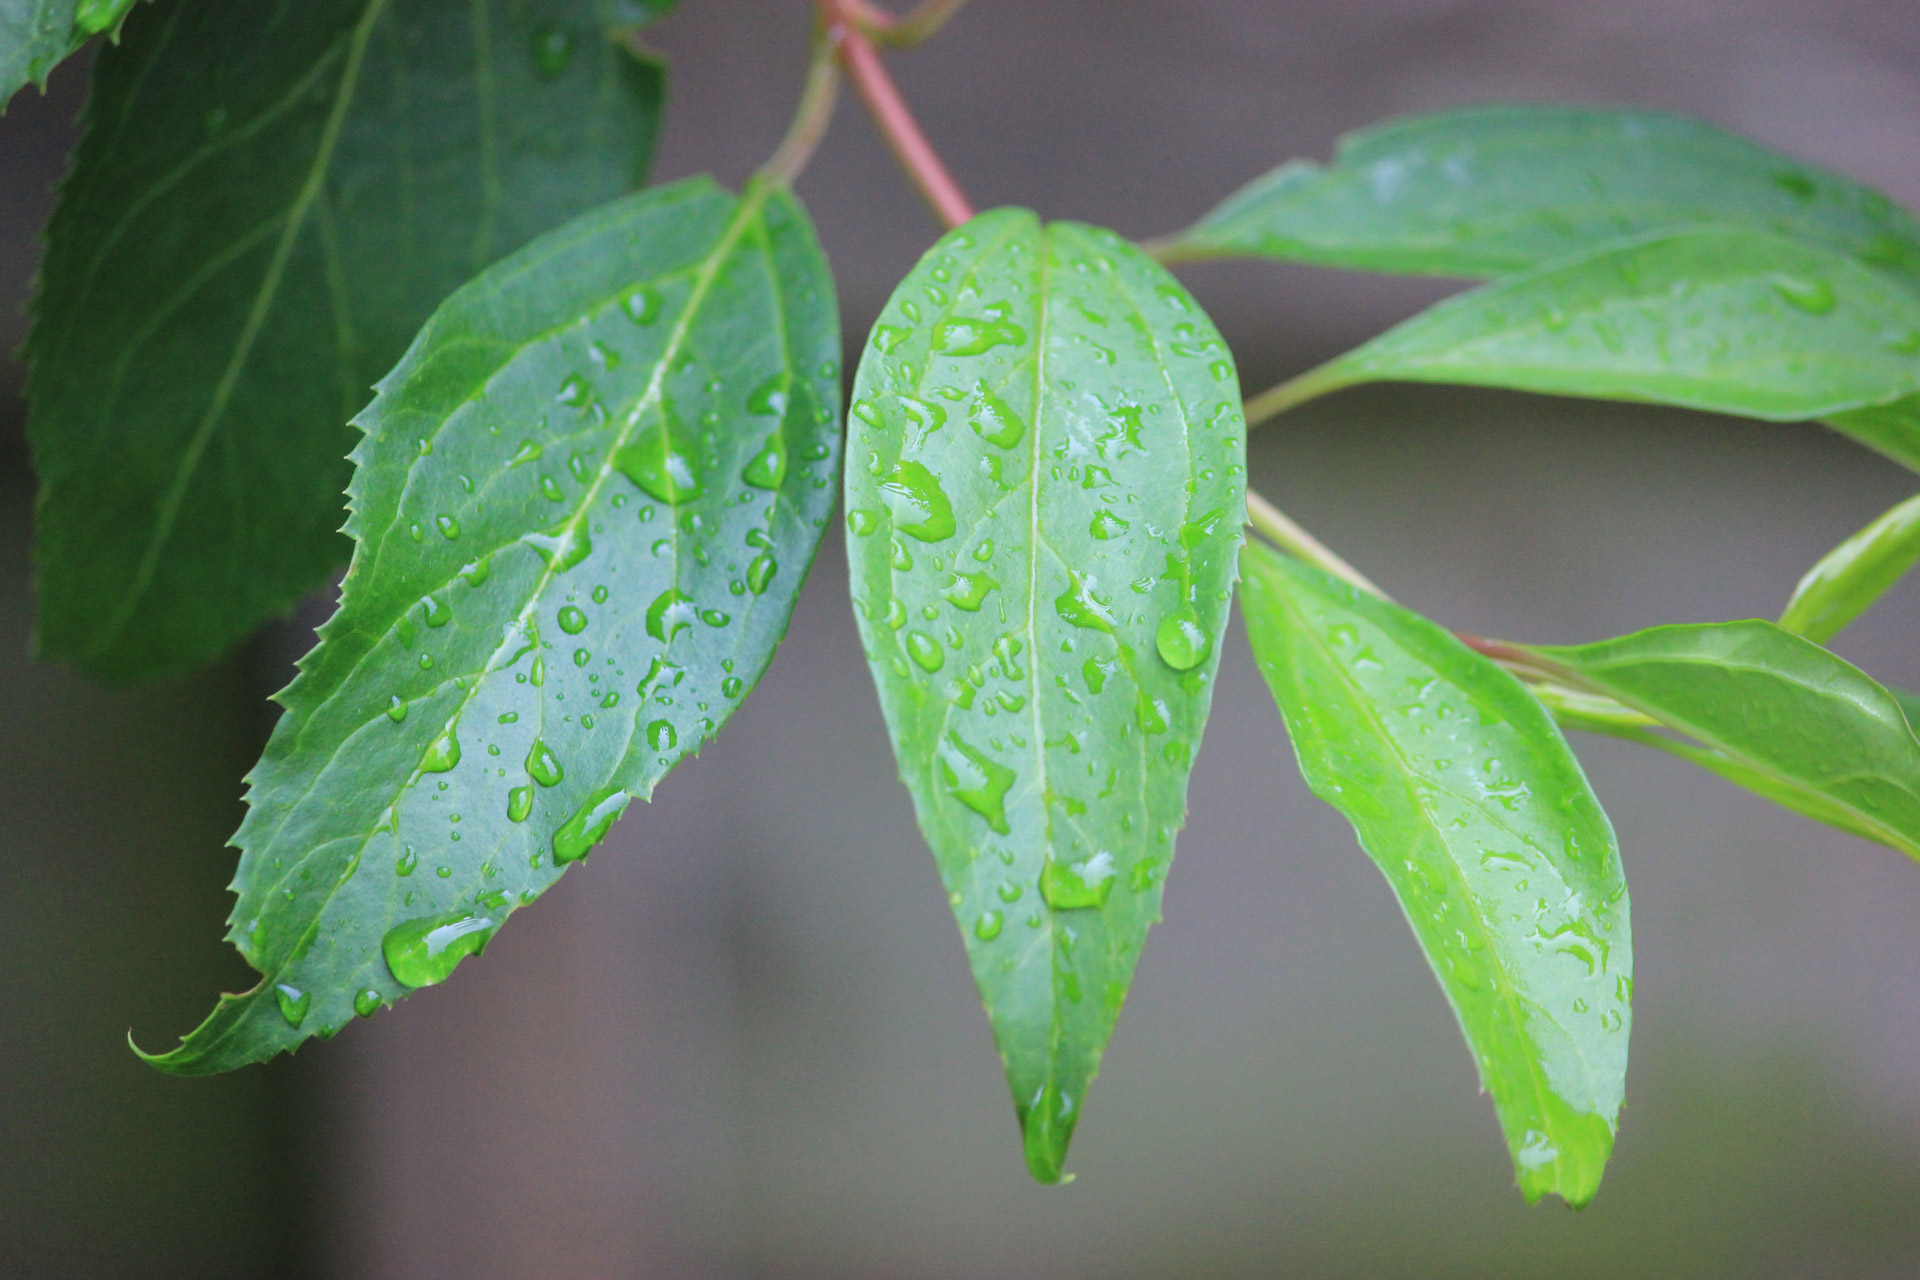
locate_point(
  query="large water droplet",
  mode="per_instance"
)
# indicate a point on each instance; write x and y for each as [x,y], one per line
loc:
[770,397]
[976,780]
[564,549]
[660,735]
[444,754]
[1077,885]
[925,651]
[1106,526]
[578,834]
[918,504]
[767,468]
[424,951]
[573,620]
[968,590]
[542,765]
[671,612]
[1183,643]
[760,573]
[1080,606]
[988,926]
[438,612]
[293,1003]
[651,461]
[968,336]
[995,422]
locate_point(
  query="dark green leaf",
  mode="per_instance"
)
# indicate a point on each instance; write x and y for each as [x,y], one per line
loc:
[1489,190]
[1044,495]
[1464,793]
[268,202]
[583,505]
[1715,318]
[1854,574]
[1794,722]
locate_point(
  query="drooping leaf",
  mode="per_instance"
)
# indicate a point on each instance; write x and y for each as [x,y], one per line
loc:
[1849,578]
[1716,318]
[583,505]
[1891,430]
[1795,723]
[1464,793]
[1044,496]
[268,201]
[37,35]
[1489,190]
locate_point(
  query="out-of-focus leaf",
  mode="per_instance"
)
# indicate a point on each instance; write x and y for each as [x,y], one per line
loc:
[1717,318]
[583,505]
[1795,723]
[268,202]
[1044,497]
[1466,796]
[1494,189]
[1849,578]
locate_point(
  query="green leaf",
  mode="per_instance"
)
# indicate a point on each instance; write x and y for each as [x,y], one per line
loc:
[583,506]
[37,35]
[1044,494]
[1795,723]
[1466,796]
[268,202]
[1891,430]
[1715,318]
[1489,190]
[1851,577]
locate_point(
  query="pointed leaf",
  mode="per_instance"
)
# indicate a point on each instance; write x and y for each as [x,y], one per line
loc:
[1798,724]
[1852,576]
[37,35]
[268,202]
[583,505]
[1489,190]
[1044,497]
[1719,319]
[1464,793]
[1891,430]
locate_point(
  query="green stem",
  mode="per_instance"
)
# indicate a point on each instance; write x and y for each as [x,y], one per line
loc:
[900,31]
[891,115]
[1294,391]
[812,116]
[1275,525]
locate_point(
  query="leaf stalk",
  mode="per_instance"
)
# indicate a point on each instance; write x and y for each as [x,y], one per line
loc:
[813,114]
[1276,526]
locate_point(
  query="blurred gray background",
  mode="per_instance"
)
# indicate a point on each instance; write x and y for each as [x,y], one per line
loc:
[743,1041]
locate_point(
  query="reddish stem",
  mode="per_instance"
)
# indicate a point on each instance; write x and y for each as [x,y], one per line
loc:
[895,122]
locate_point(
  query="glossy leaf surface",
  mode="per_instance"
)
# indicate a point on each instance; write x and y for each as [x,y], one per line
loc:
[1490,190]
[583,505]
[269,200]
[1464,793]
[1798,724]
[1850,578]
[1044,497]
[1718,319]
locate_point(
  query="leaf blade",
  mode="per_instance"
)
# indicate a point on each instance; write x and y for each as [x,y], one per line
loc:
[227,272]
[1464,794]
[611,348]
[1027,629]
[1713,318]
[1847,581]
[1779,707]
[1484,191]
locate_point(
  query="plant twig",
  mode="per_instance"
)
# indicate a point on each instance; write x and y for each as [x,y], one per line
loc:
[890,114]
[812,116]
[1294,391]
[899,31]
[1274,524]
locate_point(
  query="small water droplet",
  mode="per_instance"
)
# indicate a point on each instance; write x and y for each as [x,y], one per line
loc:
[661,735]
[862,523]
[968,336]
[976,780]
[653,462]
[1106,526]
[396,708]
[1813,296]
[768,467]
[564,549]
[519,803]
[988,926]
[968,591]
[449,527]
[760,573]
[443,755]
[575,391]
[925,651]
[1079,605]
[572,620]
[917,502]
[293,1002]
[542,765]
[1078,885]
[438,612]
[367,1002]
[642,305]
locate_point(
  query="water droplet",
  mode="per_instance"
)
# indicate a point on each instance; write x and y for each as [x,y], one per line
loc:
[925,651]
[1813,296]
[887,337]
[1078,885]
[293,1002]
[968,590]
[862,523]
[406,862]
[519,803]
[564,549]
[543,766]
[449,527]
[642,305]
[732,686]
[918,504]
[662,471]
[714,618]
[671,612]
[993,420]
[574,391]
[768,467]
[528,451]
[965,336]
[1183,643]
[1106,526]
[760,573]
[578,834]
[976,780]
[396,708]
[988,926]
[572,620]
[1080,606]
[423,951]
[438,612]
[443,755]
[660,735]
[367,1002]
[770,397]
[478,571]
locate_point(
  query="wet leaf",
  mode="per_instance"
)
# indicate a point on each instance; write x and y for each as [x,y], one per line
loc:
[1792,721]
[1732,321]
[553,596]
[1851,577]
[268,202]
[37,35]
[1489,190]
[1464,793]
[1044,497]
